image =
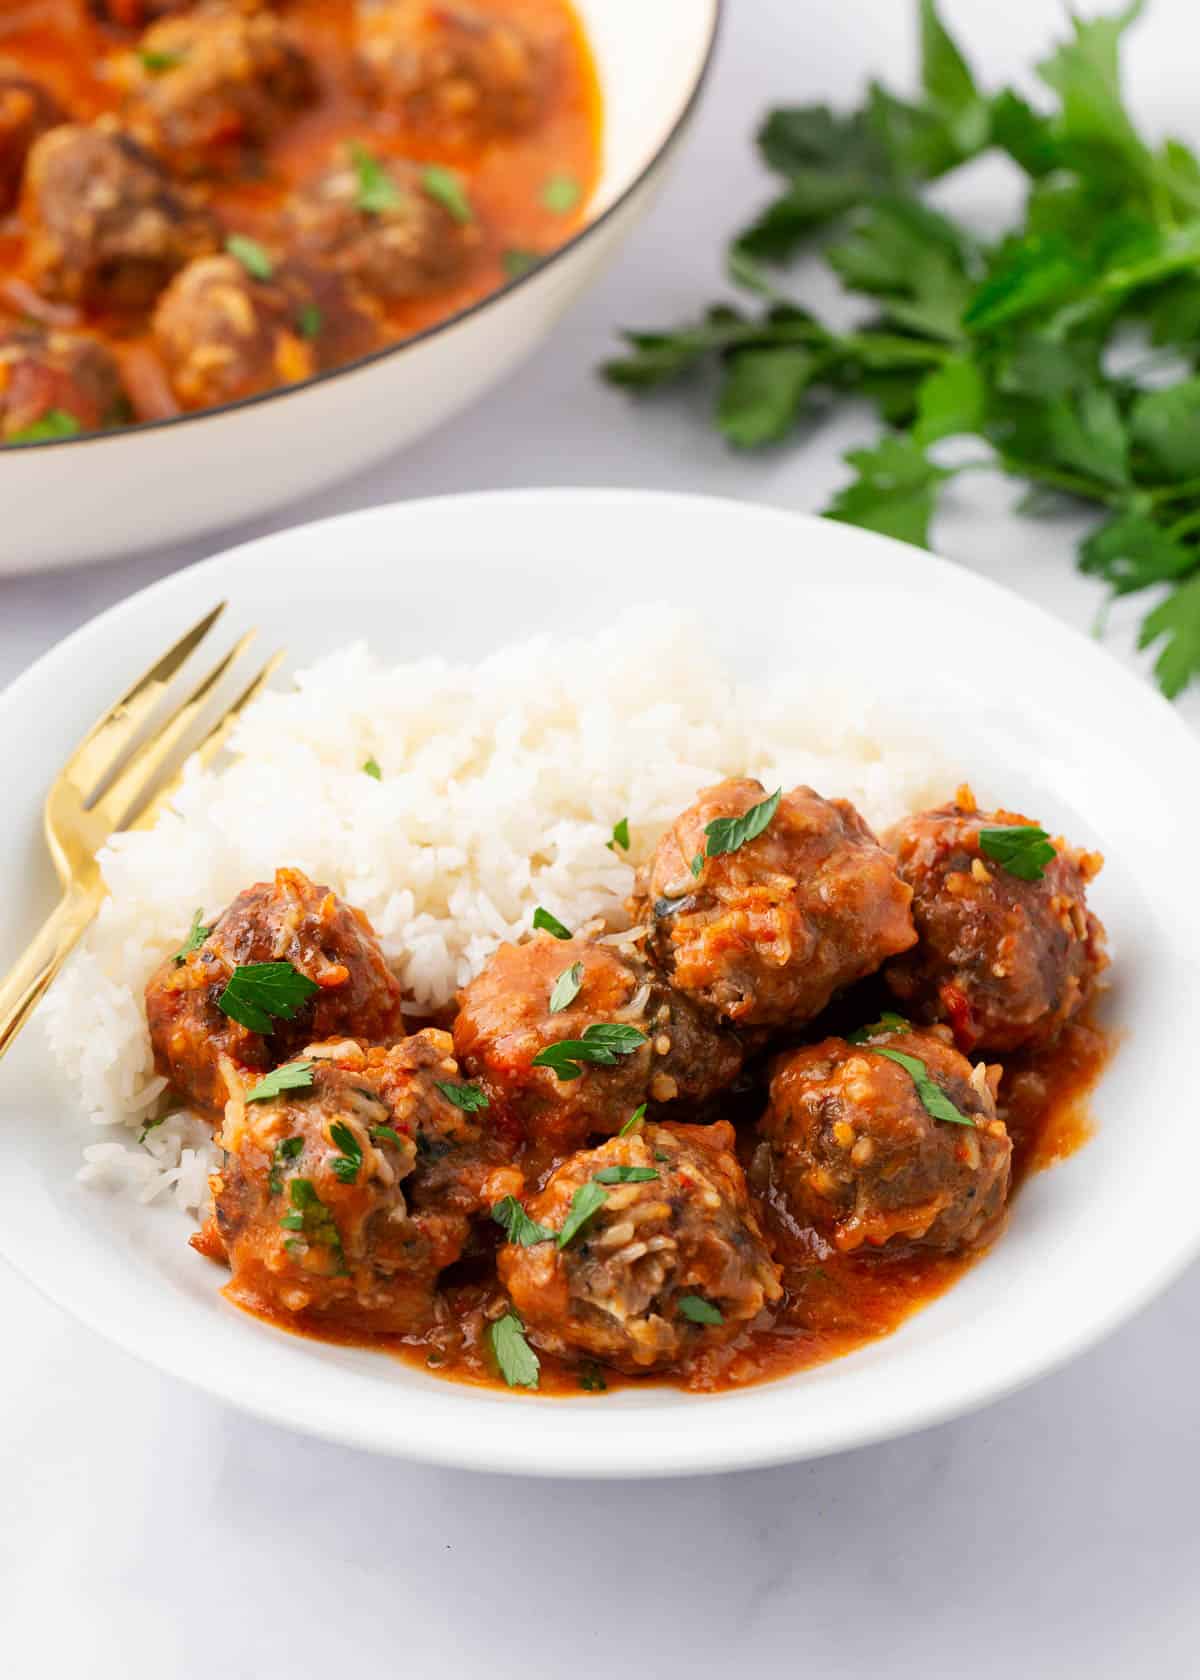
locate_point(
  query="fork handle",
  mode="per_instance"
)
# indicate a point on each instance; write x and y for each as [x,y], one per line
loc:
[27,981]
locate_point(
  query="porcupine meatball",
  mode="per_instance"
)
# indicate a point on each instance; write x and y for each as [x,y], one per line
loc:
[505,1021]
[765,935]
[373,222]
[850,1152]
[225,333]
[49,378]
[667,1268]
[27,109]
[456,74]
[1005,961]
[108,225]
[197,1044]
[206,88]
[318,1202]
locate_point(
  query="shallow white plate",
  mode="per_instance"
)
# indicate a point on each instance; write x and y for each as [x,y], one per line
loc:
[1035,713]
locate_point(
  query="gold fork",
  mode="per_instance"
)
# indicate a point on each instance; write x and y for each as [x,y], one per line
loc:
[98,792]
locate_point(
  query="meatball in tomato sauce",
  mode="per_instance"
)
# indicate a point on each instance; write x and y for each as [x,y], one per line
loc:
[764,934]
[27,110]
[670,1263]
[341,988]
[1008,950]
[206,88]
[312,1202]
[374,223]
[224,332]
[851,1153]
[636,1040]
[456,74]
[108,227]
[54,383]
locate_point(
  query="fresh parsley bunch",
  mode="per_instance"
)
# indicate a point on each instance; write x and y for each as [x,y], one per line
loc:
[1009,340]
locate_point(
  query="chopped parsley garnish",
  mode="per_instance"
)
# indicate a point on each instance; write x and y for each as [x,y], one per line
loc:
[1023,852]
[310,1215]
[309,322]
[346,1164]
[292,1076]
[550,924]
[149,1127]
[386,1134]
[55,423]
[730,834]
[566,988]
[602,1043]
[287,1149]
[698,1310]
[585,1205]
[591,1379]
[697,863]
[517,1226]
[517,262]
[197,934]
[446,189]
[252,256]
[635,1121]
[519,1365]
[933,1099]
[887,1023]
[259,994]
[561,194]
[620,836]
[376,191]
[371,768]
[625,1175]
[156,60]
[470,1098]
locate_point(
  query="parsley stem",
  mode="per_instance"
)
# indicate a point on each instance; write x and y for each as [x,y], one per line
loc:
[1176,492]
[1189,522]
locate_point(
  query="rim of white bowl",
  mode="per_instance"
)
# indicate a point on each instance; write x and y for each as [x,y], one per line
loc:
[122,434]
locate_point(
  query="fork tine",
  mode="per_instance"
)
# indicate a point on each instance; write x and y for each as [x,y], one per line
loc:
[138,776]
[212,743]
[105,741]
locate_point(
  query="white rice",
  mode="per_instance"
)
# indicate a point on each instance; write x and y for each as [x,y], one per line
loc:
[500,786]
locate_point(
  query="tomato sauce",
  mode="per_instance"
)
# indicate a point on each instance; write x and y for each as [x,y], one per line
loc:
[62,45]
[833,1303]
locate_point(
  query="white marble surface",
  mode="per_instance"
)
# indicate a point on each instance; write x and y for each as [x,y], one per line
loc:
[145,1531]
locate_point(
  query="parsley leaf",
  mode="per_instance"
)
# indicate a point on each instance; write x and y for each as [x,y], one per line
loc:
[566,988]
[292,1076]
[371,768]
[1176,623]
[601,1044]
[730,834]
[561,194]
[259,994]
[517,263]
[934,1100]
[470,1098]
[585,1205]
[446,189]
[519,1365]
[387,1134]
[698,1310]
[156,61]
[517,1226]
[310,321]
[551,924]
[635,1121]
[888,1022]
[310,1215]
[287,1149]
[197,934]
[349,1160]
[55,423]
[591,1379]
[254,258]
[1022,851]
[620,836]
[375,191]
[625,1175]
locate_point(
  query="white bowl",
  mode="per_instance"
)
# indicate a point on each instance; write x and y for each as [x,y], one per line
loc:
[88,498]
[1035,712]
